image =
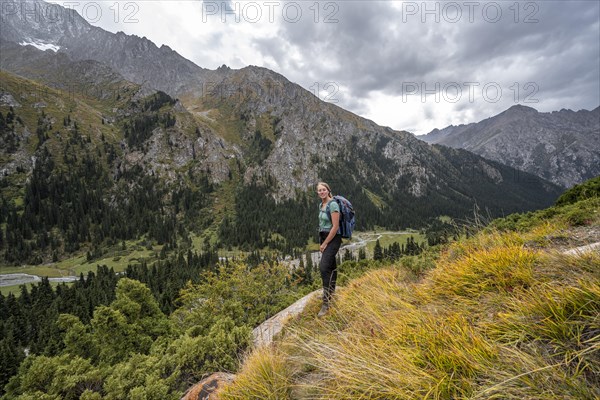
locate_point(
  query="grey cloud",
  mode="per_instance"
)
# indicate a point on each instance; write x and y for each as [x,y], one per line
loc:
[376,50]
[559,24]
[369,54]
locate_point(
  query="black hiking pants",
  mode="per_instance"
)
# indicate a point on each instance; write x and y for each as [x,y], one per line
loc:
[328,265]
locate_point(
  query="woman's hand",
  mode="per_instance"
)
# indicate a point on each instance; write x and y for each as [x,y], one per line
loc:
[322,247]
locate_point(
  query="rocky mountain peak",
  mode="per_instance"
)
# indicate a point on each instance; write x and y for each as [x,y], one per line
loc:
[561,146]
[520,109]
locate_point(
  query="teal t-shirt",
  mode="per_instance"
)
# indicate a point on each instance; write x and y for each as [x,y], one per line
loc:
[324,222]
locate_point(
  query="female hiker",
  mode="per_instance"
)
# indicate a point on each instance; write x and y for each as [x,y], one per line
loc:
[330,240]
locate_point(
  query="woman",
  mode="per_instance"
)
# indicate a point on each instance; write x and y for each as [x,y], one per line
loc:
[330,240]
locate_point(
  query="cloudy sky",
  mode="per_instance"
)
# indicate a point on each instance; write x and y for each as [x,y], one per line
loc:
[410,65]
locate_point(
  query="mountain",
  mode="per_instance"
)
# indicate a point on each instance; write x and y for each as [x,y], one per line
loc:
[562,146]
[138,60]
[110,138]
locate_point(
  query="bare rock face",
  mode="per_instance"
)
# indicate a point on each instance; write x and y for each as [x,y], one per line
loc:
[207,388]
[309,134]
[136,59]
[562,146]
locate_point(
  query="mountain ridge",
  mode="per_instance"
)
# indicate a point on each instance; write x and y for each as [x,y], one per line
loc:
[561,146]
[136,58]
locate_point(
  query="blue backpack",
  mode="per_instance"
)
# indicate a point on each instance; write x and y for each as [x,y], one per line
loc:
[347,220]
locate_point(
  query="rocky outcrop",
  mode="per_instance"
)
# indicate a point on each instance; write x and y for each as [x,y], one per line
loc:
[207,389]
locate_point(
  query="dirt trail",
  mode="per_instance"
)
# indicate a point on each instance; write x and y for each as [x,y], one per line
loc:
[264,333]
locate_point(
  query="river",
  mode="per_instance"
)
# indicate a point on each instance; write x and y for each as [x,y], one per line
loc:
[20,279]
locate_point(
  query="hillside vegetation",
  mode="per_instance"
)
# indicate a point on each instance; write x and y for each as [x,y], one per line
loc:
[86,173]
[503,314]
[90,188]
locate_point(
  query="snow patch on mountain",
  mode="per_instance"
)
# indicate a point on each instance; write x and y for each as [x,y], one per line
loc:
[42,46]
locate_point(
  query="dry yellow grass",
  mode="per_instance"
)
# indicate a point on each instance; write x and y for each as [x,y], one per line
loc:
[264,376]
[496,319]
[501,268]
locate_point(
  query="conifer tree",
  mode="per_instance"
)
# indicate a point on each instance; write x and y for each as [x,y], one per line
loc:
[377,251]
[362,254]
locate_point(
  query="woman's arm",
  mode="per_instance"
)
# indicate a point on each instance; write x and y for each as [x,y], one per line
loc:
[335,221]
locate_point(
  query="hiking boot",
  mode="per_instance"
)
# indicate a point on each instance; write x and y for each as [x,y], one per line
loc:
[324,310]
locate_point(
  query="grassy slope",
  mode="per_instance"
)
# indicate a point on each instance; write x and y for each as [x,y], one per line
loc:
[502,315]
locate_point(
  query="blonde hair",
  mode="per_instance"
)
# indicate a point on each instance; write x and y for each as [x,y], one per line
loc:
[325,186]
